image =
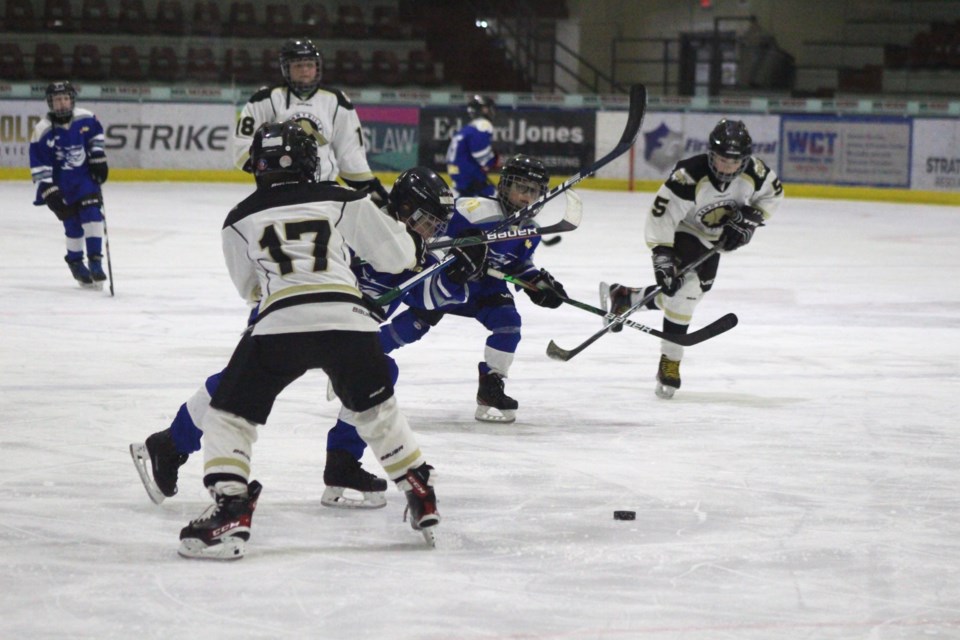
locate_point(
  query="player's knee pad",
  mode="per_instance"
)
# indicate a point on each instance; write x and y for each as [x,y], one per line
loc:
[679,307]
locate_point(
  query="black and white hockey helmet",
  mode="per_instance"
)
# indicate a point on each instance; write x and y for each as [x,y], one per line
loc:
[481,106]
[61,87]
[521,178]
[300,49]
[422,200]
[283,151]
[730,149]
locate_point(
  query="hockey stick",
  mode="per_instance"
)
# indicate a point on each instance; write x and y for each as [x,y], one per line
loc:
[715,328]
[638,107]
[106,246]
[570,221]
[558,353]
[549,242]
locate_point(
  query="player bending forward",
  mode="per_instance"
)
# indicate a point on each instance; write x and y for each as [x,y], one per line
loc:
[290,242]
[718,197]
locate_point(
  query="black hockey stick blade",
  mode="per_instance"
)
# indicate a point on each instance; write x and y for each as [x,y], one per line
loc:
[715,328]
[549,242]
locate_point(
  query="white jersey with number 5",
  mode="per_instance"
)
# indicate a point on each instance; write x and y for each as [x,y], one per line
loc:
[327,114]
[288,247]
[693,201]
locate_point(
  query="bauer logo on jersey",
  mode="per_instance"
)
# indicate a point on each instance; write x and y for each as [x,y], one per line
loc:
[712,215]
[309,123]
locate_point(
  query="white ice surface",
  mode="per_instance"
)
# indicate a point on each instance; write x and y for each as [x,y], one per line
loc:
[803,483]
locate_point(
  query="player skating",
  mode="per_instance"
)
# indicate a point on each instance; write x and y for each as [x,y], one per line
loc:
[68,164]
[286,247]
[715,198]
[470,155]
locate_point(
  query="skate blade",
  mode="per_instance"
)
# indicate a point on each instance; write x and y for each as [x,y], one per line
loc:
[665,392]
[334,497]
[429,536]
[93,286]
[490,414]
[141,460]
[604,300]
[229,549]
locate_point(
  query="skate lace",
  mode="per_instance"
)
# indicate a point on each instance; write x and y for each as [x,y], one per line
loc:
[670,368]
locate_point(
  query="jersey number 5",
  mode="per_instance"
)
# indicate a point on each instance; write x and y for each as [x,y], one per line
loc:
[271,242]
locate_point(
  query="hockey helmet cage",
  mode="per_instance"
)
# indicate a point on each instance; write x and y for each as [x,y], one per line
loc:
[523,172]
[729,140]
[481,106]
[422,200]
[283,151]
[61,87]
[300,49]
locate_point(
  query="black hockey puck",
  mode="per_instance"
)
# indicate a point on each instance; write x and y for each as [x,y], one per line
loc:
[624,515]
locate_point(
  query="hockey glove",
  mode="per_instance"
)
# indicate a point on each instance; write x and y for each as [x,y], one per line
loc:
[738,228]
[98,168]
[665,269]
[469,261]
[53,198]
[372,188]
[419,248]
[549,293]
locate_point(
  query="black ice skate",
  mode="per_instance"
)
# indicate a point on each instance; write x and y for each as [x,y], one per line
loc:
[80,273]
[222,531]
[344,472]
[158,463]
[96,268]
[493,405]
[421,509]
[668,377]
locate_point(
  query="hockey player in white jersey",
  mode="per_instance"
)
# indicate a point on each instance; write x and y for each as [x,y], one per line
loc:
[324,112]
[719,197]
[288,246]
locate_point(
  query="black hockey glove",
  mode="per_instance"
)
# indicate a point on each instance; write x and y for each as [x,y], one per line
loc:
[665,269]
[469,261]
[419,248]
[53,198]
[372,188]
[549,293]
[738,228]
[98,168]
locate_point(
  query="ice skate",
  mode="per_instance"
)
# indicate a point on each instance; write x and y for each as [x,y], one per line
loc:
[158,462]
[421,509]
[344,473]
[668,377]
[222,531]
[493,405]
[616,299]
[96,269]
[81,274]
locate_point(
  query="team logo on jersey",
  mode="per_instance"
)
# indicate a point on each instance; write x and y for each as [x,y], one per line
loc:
[713,215]
[662,147]
[309,123]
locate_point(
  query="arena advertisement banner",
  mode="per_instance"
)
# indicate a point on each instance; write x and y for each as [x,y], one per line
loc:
[390,136]
[17,119]
[167,136]
[935,165]
[846,150]
[138,135]
[562,138]
[668,137]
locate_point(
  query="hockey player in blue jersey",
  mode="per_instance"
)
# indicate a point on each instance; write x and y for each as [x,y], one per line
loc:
[470,156]
[423,201]
[522,181]
[68,164]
